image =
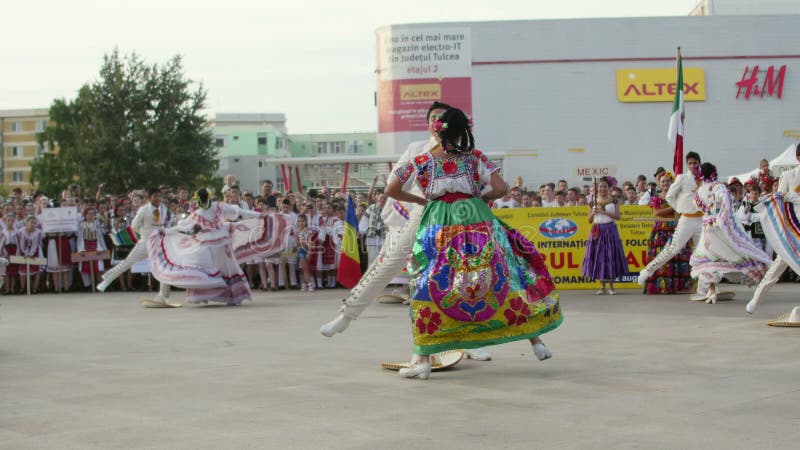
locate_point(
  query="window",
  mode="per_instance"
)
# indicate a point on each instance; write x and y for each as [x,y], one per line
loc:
[262,140]
[41,125]
[279,143]
[16,126]
[337,147]
[40,150]
[219,141]
[355,168]
[17,152]
[236,138]
[17,176]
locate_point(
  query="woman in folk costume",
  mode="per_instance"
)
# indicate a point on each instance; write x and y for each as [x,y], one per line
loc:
[9,241]
[327,260]
[202,252]
[604,259]
[59,258]
[474,280]
[90,239]
[675,276]
[29,243]
[723,246]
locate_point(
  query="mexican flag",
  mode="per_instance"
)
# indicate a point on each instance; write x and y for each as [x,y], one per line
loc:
[675,133]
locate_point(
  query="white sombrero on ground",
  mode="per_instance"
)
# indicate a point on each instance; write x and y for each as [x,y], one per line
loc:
[787,320]
[391,298]
[721,296]
[156,303]
[439,361]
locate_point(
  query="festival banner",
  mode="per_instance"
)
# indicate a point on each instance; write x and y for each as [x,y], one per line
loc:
[560,235]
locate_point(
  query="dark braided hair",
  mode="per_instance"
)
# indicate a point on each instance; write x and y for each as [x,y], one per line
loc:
[203,198]
[708,171]
[455,132]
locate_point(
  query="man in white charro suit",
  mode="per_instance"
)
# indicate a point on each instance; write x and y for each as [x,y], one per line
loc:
[402,221]
[690,224]
[789,187]
[149,217]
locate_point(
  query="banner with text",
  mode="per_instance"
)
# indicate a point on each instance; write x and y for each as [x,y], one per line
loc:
[417,67]
[560,235]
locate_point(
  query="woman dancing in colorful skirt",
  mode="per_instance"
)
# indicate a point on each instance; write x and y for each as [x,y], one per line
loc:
[203,252]
[724,247]
[475,281]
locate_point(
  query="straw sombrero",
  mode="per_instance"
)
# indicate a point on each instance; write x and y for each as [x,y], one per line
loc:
[391,298]
[150,303]
[721,296]
[439,361]
[791,319]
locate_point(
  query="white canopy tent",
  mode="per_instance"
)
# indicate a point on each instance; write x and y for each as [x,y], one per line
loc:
[783,162]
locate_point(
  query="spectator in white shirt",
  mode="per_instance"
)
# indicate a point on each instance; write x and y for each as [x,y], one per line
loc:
[549,196]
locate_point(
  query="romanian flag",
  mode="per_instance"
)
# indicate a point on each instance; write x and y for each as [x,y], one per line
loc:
[349,262]
[124,238]
[675,132]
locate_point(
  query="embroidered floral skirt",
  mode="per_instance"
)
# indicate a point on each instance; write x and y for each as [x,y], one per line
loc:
[724,248]
[203,264]
[674,277]
[475,281]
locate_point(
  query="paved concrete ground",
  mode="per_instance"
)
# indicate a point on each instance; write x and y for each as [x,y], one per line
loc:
[99,372]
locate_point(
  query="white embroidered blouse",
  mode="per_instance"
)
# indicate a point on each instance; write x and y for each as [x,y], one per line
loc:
[466,174]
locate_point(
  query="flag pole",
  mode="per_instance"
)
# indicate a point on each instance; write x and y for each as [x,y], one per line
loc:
[676,129]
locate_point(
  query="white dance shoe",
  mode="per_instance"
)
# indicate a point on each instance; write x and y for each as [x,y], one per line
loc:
[337,325]
[712,298]
[478,354]
[418,370]
[644,274]
[751,306]
[541,351]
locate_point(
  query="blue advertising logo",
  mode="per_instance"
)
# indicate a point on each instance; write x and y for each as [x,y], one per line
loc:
[558,228]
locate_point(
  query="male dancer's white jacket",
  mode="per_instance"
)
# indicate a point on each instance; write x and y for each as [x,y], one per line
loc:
[402,220]
[145,221]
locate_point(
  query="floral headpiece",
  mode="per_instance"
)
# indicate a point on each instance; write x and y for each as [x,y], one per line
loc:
[612,182]
[669,175]
[751,182]
[196,197]
[712,176]
[439,126]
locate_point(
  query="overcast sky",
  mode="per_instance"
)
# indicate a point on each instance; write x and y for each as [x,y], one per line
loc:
[313,60]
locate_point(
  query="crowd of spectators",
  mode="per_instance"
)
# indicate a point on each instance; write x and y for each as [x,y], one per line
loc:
[322,211]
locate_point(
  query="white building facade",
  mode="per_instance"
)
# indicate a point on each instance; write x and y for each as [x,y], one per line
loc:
[574,98]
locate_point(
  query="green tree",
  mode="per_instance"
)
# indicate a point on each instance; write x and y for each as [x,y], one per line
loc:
[136,126]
